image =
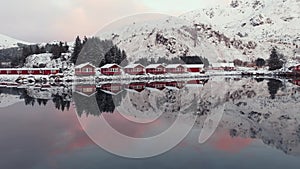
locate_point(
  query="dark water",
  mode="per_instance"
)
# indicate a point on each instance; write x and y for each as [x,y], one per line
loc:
[260,126]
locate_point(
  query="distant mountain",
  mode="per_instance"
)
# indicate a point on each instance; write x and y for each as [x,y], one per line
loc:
[265,24]
[8,42]
[242,30]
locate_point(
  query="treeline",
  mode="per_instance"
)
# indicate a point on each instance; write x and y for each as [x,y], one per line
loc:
[98,52]
[275,61]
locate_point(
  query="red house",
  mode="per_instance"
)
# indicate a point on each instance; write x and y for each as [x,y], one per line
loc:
[86,89]
[156,85]
[175,84]
[175,69]
[155,69]
[194,68]
[85,69]
[137,87]
[135,69]
[29,71]
[112,88]
[111,69]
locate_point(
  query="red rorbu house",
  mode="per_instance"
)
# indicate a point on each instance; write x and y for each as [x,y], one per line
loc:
[111,69]
[155,69]
[156,85]
[175,68]
[112,88]
[85,69]
[135,69]
[136,87]
[194,68]
[29,71]
[86,89]
[175,85]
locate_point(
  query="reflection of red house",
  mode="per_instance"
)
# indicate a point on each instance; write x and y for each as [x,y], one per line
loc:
[175,68]
[138,86]
[156,85]
[29,71]
[175,84]
[111,69]
[296,68]
[85,69]
[196,83]
[112,88]
[296,82]
[86,89]
[135,69]
[155,69]
[194,68]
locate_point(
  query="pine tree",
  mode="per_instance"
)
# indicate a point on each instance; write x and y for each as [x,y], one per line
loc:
[77,49]
[274,61]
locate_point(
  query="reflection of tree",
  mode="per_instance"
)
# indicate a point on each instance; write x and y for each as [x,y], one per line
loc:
[273,86]
[60,102]
[106,103]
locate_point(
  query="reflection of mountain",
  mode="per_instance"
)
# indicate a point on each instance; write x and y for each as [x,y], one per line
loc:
[61,96]
[261,109]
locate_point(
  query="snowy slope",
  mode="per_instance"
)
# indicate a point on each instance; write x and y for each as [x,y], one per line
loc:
[242,30]
[8,42]
[169,37]
[268,23]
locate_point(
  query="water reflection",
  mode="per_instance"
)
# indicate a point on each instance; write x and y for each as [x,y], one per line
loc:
[260,109]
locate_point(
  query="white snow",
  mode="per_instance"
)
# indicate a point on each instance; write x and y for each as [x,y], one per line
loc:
[8,42]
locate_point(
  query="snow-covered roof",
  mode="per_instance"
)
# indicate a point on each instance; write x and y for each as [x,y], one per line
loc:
[108,65]
[29,69]
[153,66]
[85,64]
[133,66]
[173,65]
[194,65]
[222,64]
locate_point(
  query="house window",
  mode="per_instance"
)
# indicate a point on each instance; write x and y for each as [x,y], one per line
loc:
[87,90]
[114,69]
[88,70]
[138,69]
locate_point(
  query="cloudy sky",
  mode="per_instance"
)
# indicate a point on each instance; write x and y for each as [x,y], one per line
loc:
[47,20]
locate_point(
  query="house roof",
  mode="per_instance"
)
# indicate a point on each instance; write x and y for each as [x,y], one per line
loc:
[109,65]
[194,65]
[133,65]
[85,64]
[153,66]
[222,64]
[173,65]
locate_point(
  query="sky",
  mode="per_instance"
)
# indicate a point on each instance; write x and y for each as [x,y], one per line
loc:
[48,20]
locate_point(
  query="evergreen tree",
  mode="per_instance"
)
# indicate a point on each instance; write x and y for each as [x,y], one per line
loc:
[274,61]
[260,62]
[77,49]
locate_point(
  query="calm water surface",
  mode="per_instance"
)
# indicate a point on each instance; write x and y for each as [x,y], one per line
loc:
[44,128]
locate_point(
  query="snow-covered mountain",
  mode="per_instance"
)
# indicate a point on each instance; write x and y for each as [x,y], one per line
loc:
[242,30]
[168,37]
[8,42]
[265,23]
